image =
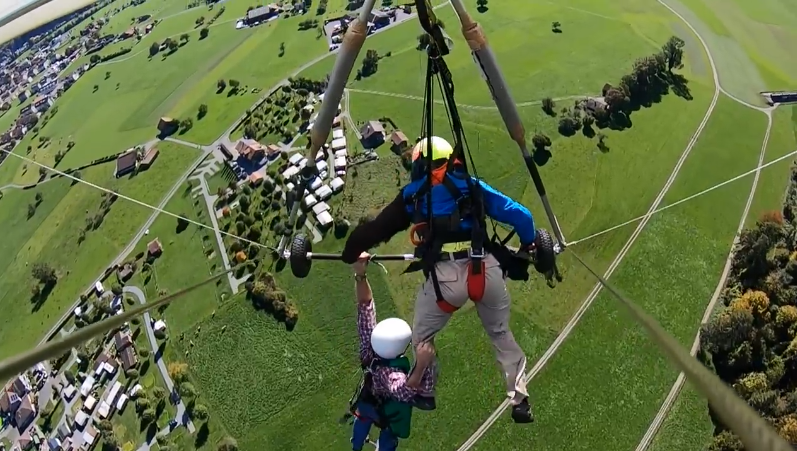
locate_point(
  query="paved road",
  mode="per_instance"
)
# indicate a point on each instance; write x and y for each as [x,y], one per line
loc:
[181,410]
[217,233]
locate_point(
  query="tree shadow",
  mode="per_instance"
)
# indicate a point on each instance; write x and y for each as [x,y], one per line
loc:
[202,435]
[144,368]
[556,30]
[541,156]
[39,299]
[588,131]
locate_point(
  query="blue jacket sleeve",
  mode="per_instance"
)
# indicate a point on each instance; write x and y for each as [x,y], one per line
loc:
[503,209]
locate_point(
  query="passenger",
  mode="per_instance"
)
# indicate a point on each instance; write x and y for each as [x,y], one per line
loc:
[388,388]
[458,260]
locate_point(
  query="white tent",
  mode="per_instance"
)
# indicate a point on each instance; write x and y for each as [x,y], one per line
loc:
[295,158]
[90,403]
[315,184]
[320,208]
[341,153]
[121,403]
[81,418]
[337,133]
[111,398]
[85,388]
[338,143]
[103,410]
[337,184]
[290,172]
[323,193]
[340,162]
[322,165]
[310,200]
[320,156]
[325,218]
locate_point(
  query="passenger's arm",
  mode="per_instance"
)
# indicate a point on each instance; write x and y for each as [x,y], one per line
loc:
[366,321]
[391,220]
[502,208]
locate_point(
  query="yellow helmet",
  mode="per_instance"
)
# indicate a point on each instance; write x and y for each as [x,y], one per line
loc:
[441,149]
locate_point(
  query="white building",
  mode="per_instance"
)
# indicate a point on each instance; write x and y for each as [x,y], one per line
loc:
[86,387]
[103,410]
[295,158]
[341,153]
[322,166]
[339,143]
[89,404]
[320,208]
[324,219]
[122,402]
[310,200]
[323,193]
[69,392]
[111,398]
[340,163]
[337,133]
[315,184]
[337,184]
[81,418]
[290,172]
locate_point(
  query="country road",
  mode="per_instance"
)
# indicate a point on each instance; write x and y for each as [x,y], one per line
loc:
[181,409]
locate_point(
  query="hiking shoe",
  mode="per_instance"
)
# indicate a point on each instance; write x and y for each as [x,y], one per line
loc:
[521,413]
[424,402]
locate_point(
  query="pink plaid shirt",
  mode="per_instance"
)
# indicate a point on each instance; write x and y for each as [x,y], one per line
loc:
[387,382]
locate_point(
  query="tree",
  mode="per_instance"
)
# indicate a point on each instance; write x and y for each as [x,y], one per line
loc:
[148,415]
[227,444]
[482,5]
[240,227]
[173,45]
[187,390]
[142,402]
[199,20]
[159,393]
[203,33]
[184,37]
[200,412]
[221,85]
[540,142]
[95,59]
[132,373]
[234,84]
[549,106]
[178,371]
[182,222]
[70,377]
[203,110]
[44,273]
[673,52]
[370,63]
[105,426]
[154,49]
[615,100]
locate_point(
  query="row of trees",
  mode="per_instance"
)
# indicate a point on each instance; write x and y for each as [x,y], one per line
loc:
[752,343]
[266,295]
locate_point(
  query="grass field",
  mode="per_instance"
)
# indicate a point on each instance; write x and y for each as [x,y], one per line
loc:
[671,272]
[189,256]
[51,235]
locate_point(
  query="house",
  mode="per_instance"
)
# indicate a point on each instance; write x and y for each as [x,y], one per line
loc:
[310,200]
[42,103]
[250,149]
[23,96]
[25,413]
[122,340]
[9,401]
[167,125]
[25,441]
[399,141]
[259,14]
[149,158]
[373,134]
[320,208]
[129,358]
[99,363]
[125,272]
[21,385]
[125,163]
[154,248]
[337,184]
[255,178]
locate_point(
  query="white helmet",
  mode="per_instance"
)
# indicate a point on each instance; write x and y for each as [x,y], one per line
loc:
[391,337]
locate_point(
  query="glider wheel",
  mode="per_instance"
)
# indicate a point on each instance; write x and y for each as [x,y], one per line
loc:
[300,264]
[545,256]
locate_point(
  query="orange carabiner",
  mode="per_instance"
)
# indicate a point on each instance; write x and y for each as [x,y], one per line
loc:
[415,237]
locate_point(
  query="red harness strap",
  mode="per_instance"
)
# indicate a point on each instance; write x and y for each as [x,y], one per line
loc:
[446,306]
[476,281]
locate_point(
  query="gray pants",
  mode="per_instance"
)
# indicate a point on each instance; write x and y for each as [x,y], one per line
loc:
[493,311]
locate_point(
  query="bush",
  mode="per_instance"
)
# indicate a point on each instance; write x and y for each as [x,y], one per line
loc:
[135,321]
[143,353]
[132,373]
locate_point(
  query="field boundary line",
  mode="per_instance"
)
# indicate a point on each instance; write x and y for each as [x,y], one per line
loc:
[461,105]
[481,430]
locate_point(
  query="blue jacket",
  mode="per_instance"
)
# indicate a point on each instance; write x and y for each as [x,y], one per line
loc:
[397,216]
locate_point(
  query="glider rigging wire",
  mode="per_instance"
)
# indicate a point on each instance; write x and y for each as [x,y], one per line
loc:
[754,432]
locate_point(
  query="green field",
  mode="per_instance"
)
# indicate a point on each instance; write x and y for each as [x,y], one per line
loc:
[52,234]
